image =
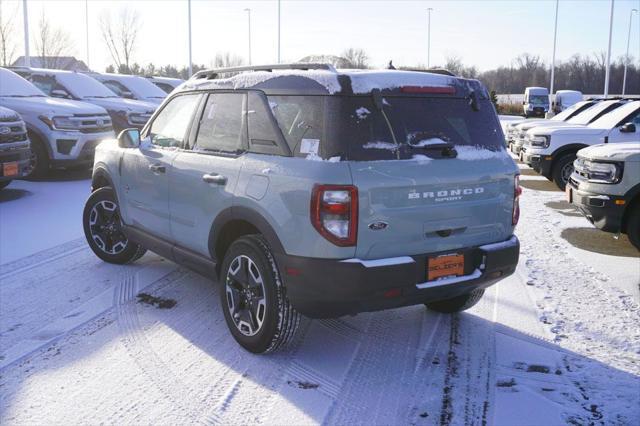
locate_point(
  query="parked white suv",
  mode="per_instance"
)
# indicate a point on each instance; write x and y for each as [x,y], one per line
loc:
[552,150]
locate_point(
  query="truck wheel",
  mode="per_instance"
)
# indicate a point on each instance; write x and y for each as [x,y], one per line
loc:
[4,184]
[633,225]
[39,158]
[457,304]
[103,229]
[562,169]
[255,307]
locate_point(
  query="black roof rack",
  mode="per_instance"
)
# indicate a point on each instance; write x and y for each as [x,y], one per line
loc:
[213,73]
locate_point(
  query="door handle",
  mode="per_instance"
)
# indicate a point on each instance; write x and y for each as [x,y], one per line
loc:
[157,168]
[215,178]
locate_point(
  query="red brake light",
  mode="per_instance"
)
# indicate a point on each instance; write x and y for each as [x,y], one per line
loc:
[442,90]
[517,191]
[334,213]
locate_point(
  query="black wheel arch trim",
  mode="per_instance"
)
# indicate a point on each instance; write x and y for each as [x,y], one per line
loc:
[632,197]
[567,149]
[248,215]
[40,138]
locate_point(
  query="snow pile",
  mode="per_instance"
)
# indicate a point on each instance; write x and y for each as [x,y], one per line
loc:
[380,145]
[362,113]
[429,142]
[473,153]
[422,158]
[315,157]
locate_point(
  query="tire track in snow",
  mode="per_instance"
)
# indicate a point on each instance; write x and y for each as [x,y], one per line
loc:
[42,257]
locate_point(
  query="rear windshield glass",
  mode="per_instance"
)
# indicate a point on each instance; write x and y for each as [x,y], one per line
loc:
[353,128]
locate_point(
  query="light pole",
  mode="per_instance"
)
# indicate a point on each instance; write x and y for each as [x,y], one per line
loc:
[553,56]
[86,23]
[429,37]
[606,72]
[249,19]
[626,57]
[27,58]
[278,31]
[190,61]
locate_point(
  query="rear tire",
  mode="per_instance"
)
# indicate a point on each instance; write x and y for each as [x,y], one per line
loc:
[562,169]
[633,225]
[252,296]
[39,158]
[456,304]
[4,184]
[103,229]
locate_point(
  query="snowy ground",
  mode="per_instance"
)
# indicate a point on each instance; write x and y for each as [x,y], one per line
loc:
[557,343]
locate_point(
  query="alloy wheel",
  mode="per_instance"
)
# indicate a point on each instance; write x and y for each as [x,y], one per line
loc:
[246,298]
[106,227]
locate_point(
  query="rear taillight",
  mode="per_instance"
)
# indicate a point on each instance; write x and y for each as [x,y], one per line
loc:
[517,191]
[334,213]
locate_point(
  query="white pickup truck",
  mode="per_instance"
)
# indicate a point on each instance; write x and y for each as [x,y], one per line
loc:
[551,151]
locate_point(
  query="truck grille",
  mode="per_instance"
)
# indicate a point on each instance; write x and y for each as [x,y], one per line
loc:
[14,132]
[93,123]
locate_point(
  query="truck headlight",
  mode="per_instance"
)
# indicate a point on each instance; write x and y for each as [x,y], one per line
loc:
[137,119]
[60,123]
[539,141]
[598,171]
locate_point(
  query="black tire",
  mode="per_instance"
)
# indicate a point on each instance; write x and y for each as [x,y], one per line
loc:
[562,169]
[4,184]
[40,161]
[255,293]
[103,229]
[457,304]
[633,225]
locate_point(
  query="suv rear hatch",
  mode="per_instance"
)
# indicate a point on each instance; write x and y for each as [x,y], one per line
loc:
[432,173]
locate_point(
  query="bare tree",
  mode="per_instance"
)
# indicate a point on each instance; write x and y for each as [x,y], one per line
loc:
[454,64]
[51,43]
[226,60]
[121,37]
[7,45]
[356,58]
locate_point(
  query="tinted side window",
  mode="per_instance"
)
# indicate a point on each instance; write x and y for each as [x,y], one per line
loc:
[44,83]
[116,87]
[264,133]
[170,126]
[222,126]
[300,117]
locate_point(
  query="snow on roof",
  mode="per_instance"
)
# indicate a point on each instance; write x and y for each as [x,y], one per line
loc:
[362,81]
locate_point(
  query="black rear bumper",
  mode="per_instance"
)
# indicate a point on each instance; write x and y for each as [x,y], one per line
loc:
[324,288]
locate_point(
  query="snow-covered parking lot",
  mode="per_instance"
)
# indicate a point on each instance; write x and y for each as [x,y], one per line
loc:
[556,343]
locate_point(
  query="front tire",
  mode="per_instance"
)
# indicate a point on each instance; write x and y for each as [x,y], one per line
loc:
[252,296]
[633,225]
[103,229]
[40,162]
[562,169]
[456,304]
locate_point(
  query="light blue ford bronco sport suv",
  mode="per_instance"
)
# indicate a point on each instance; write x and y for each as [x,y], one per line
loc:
[314,191]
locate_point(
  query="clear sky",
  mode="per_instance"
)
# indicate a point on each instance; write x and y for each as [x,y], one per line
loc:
[482,33]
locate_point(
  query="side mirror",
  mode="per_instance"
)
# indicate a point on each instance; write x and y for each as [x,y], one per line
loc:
[127,95]
[129,138]
[59,93]
[628,128]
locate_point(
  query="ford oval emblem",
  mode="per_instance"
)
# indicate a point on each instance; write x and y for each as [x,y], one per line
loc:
[5,130]
[378,226]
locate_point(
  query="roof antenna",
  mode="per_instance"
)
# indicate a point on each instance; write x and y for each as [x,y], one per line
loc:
[390,66]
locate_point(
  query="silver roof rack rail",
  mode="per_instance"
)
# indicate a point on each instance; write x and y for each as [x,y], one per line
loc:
[213,73]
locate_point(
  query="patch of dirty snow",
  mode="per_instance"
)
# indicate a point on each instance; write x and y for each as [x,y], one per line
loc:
[362,113]
[380,145]
[472,153]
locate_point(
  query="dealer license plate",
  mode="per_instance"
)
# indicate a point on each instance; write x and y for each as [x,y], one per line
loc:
[444,266]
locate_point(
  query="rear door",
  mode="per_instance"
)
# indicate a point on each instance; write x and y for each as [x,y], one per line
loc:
[145,170]
[415,195]
[203,178]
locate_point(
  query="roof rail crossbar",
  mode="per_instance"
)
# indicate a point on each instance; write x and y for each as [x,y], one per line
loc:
[213,73]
